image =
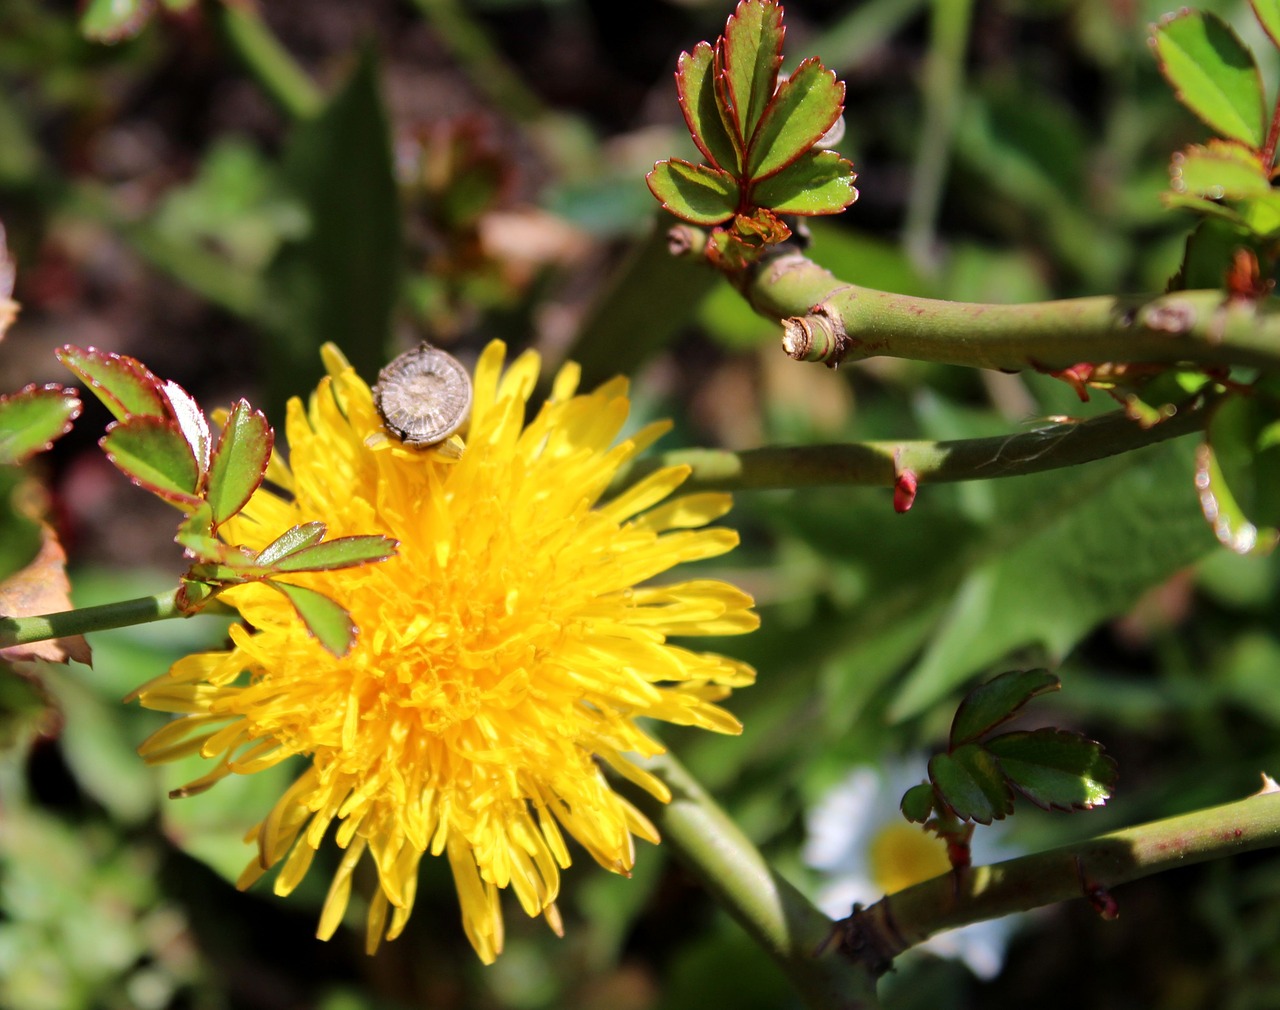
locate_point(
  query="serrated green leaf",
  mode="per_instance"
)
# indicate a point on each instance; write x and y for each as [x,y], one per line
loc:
[751,52]
[1268,14]
[240,460]
[694,193]
[1237,474]
[997,701]
[125,385]
[1213,74]
[153,453]
[697,94]
[1261,215]
[1056,769]
[971,783]
[819,182]
[1218,171]
[342,552]
[32,418]
[293,539]
[803,109]
[326,620]
[917,803]
[114,20]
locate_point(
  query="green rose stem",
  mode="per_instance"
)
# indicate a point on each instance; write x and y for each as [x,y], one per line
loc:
[25,630]
[877,464]
[777,916]
[1087,869]
[825,319]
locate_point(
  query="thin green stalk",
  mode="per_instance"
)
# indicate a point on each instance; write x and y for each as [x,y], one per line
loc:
[1088,869]
[825,319]
[777,916]
[481,59]
[943,90]
[25,630]
[268,62]
[877,464]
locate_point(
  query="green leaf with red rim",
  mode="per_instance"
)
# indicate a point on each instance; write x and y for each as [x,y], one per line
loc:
[694,193]
[329,623]
[1218,170]
[751,54]
[239,462]
[1056,769]
[997,701]
[971,784]
[341,552]
[156,456]
[1268,14]
[32,418]
[698,96]
[803,109]
[125,385]
[293,539]
[818,182]
[1213,74]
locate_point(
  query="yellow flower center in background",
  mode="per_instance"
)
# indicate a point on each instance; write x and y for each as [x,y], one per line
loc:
[504,654]
[900,855]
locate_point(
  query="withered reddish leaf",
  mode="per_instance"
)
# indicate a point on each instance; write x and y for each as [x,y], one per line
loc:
[124,384]
[42,588]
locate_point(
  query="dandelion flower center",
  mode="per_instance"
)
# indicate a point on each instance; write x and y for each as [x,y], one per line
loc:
[504,654]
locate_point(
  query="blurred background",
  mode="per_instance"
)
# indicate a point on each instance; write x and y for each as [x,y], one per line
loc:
[463,169]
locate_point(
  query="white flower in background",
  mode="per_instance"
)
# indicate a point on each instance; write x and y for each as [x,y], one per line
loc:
[859,839]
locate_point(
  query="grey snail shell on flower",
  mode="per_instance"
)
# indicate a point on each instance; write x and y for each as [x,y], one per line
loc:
[423,396]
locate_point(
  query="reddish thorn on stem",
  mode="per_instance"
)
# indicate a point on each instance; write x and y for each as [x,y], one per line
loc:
[904,490]
[1097,895]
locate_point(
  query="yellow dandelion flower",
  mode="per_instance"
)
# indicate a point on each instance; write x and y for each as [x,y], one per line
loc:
[504,655]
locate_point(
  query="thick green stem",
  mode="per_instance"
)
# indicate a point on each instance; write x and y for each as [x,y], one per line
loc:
[828,320]
[878,464]
[267,61]
[25,630]
[777,916]
[1088,869]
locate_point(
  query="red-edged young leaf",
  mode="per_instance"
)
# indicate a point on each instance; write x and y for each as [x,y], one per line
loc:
[125,385]
[244,450]
[970,782]
[997,701]
[1055,769]
[1268,15]
[818,182]
[694,193]
[1213,74]
[342,552]
[32,418]
[917,803]
[1219,170]
[329,623]
[293,539]
[804,108]
[697,93]
[191,422]
[155,455]
[751,53]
